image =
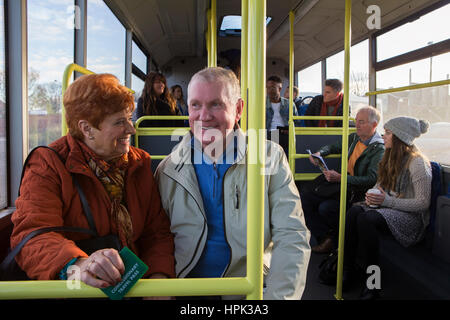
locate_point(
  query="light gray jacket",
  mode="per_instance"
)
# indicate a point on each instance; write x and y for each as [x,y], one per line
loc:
[286,238]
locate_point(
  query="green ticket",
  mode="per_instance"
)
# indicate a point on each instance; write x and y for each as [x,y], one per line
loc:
[135,268]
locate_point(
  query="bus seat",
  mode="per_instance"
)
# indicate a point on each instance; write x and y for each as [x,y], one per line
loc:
[428,262]
[158,145]
[314,143]
[436,184]
[6,227]
[441,240]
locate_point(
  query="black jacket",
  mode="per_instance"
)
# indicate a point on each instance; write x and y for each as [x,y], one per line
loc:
[163,110]
[314,110]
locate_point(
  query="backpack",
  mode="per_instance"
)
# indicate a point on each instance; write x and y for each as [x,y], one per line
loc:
[328,269]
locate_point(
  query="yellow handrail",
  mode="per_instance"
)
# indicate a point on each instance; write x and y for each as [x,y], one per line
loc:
[344,159]
[244,62]
[411,87]
[291,141]
[256,145]
[213,34]
[65,84]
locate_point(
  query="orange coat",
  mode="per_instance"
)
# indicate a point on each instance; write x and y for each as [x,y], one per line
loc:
[48,198]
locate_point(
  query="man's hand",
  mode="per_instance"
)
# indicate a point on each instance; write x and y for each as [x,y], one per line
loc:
[314,161]
[332,176]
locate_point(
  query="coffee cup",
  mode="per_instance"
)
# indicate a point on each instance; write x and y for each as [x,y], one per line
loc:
[374,191]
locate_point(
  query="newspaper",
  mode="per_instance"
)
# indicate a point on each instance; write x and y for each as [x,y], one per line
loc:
[319,161]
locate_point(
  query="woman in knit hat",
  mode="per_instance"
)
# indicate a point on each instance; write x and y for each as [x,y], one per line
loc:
[401,206]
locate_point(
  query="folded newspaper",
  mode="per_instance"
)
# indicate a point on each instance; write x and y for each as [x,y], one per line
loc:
[319,160]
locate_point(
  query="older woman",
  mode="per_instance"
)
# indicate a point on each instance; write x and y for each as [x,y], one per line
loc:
[400,205]
[112,175]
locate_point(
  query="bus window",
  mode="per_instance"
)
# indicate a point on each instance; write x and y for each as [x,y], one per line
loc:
[3,173]
[310,79]
[105,41]
[50,50]
[420,71]
[400,40]
[139,59]
[137,85]
[432,104]
[359,73]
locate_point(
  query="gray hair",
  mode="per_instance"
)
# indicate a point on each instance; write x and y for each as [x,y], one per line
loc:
[219,74]
[373,114]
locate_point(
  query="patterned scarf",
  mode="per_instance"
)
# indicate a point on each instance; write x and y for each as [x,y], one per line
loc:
[324,110]
[112,175]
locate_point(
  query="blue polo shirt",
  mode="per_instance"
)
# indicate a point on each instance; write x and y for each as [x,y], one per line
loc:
[217,253]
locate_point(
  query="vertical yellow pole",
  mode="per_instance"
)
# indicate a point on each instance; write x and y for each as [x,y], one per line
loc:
[256,145]
[291,93]
[244,61]
[208,37]
[347,42]
[213,29]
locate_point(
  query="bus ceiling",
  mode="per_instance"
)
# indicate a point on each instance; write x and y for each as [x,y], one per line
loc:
[168,29]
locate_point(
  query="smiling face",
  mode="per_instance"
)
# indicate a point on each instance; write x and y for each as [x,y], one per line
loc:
[211,110]
[112,139]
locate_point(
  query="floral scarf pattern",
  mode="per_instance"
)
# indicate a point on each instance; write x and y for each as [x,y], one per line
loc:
[112,175]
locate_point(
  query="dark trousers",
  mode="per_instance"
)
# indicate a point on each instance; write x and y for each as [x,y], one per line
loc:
[283,138]
[321,215]
[362,229]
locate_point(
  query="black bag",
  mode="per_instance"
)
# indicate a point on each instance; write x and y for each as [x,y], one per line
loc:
[328,269]
[10,271]
[322,188]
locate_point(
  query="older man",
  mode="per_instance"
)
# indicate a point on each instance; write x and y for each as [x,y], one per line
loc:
[203,185]
[366,148]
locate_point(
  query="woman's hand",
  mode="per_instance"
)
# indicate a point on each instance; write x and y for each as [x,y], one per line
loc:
[102,269]
[375,199]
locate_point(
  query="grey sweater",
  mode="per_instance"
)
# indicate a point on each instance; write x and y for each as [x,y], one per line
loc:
[407,210]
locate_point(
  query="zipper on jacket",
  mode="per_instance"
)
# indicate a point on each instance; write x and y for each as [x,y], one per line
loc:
[237,197]
[216,177]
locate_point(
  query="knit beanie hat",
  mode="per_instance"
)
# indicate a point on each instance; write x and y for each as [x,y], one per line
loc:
[407,128]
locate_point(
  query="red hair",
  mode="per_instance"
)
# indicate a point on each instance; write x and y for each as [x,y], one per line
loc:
[92,98]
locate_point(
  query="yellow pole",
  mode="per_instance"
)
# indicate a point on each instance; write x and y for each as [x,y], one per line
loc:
[412,87]
[343,202]
[65,84]
[208,37]
[256,145]
[244,62]
[292,150]
[213,34]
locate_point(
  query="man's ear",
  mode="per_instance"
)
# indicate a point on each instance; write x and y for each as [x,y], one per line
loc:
[86,129]
[239,109]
